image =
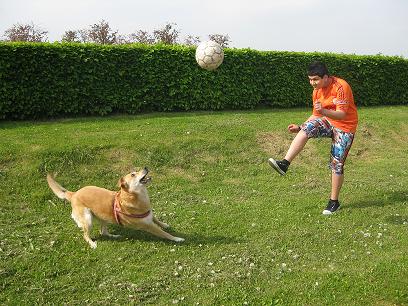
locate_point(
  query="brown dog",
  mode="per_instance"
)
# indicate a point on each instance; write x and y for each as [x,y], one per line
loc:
[129,207]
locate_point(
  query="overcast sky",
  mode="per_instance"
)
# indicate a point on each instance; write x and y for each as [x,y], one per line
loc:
[347,26]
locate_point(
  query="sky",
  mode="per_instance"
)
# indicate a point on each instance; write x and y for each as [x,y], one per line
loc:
[364,27]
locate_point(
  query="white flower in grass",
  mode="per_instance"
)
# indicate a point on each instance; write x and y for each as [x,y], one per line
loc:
[210,263]
[379,235]
[251,265]
[172,250]
[212,285]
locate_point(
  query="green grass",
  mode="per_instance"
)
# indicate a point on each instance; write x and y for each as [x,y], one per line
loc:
[251,236]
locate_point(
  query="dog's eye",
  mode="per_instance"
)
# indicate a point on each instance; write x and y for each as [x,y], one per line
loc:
[133,174]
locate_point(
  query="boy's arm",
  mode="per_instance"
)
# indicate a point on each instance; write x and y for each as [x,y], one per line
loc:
[332,114]
[294,128]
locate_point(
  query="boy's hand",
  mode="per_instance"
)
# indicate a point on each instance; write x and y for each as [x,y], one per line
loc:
[293,128]
[318,106]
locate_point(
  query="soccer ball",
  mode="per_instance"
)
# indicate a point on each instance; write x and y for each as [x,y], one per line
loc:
[209,55]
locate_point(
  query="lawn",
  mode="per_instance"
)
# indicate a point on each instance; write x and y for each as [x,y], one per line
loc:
[252,236]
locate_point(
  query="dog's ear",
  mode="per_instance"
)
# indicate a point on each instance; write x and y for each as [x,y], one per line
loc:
[123,184]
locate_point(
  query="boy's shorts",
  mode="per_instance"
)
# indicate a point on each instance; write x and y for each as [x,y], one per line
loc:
[341,141]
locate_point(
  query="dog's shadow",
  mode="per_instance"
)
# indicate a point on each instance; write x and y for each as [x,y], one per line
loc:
[190,239]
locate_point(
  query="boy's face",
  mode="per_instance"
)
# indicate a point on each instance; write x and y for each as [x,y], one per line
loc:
[318,82]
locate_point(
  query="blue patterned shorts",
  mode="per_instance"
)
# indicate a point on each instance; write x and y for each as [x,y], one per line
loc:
[341,141]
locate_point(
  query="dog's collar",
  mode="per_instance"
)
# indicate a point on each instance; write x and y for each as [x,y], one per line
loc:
[117,210]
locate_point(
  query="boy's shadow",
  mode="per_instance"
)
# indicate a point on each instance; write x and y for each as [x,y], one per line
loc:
[397,220]
[390,198]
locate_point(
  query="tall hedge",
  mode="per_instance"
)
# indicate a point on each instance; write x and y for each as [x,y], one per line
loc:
[43,80]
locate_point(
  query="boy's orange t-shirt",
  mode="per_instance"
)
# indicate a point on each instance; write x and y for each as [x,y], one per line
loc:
[338,96]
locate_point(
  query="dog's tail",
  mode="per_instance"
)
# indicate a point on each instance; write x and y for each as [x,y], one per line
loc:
[59,191]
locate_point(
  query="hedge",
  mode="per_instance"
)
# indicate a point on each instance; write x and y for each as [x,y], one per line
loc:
[47,80]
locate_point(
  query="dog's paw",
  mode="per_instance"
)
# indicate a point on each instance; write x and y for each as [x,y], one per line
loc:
[178,239]
[164,225]
[111,235]
[93,244]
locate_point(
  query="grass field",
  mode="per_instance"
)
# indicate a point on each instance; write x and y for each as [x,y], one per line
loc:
[252,236]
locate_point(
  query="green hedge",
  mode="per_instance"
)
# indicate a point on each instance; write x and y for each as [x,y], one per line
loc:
[43,80]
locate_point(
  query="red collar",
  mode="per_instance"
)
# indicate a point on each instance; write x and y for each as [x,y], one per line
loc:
[117,210]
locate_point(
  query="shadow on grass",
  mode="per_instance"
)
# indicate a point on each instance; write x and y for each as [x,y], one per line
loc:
[387,199]
[397,220]
[191,239]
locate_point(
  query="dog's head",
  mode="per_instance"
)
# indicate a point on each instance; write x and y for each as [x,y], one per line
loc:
[133,181]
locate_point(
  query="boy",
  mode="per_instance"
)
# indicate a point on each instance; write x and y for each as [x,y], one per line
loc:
[334,115]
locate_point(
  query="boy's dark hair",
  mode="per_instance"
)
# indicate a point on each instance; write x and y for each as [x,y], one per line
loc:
[317,68]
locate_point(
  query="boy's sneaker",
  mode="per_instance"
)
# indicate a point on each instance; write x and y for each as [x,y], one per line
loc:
[332,206]
[279,165]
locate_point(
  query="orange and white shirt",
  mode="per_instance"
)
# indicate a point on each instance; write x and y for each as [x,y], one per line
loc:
[338,96]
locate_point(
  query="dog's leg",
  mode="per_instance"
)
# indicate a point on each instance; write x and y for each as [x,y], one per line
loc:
[104,230]
[83,218]
[161,224]
[154,229]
